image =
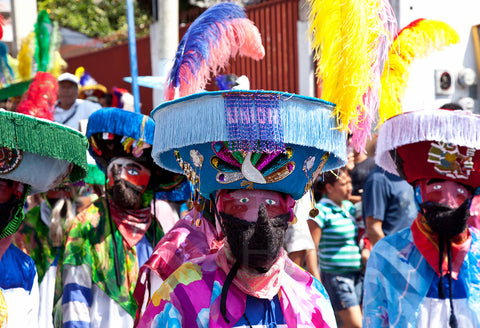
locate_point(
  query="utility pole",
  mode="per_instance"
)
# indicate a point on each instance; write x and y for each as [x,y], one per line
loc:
[24,17]
[306,68]
[163,41]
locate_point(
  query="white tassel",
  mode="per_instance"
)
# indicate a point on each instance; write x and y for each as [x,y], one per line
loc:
[456,127]
[56,230]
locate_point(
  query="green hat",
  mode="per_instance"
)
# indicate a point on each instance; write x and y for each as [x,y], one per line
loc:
[40,153]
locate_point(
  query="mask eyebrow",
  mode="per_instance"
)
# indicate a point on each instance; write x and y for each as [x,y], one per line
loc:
[138,167]
[432,181]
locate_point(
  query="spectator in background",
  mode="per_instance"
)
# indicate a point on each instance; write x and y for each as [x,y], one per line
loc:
[298,240]
[364,163]
[70,110]
[106,100]
[387,204]
[335,233]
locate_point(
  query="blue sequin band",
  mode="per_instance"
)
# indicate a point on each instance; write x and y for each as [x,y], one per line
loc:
[254,122]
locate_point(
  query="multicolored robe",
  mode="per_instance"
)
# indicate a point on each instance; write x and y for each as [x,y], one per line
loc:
[190,297]
[185,241]
[398,279]
[91,296]
[32,239]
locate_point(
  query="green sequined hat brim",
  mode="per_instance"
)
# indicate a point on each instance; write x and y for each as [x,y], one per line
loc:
[45,138]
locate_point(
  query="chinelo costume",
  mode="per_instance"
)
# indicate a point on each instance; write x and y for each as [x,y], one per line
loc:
[39,154]
[41,234]
[109,241]
[257,143]
[427,275]
[403,280]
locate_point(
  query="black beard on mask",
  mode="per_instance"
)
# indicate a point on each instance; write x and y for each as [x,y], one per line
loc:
[6,211]
[126,194]
[256,245]
[444,220]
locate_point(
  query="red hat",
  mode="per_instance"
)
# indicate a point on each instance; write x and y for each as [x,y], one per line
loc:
[441,144]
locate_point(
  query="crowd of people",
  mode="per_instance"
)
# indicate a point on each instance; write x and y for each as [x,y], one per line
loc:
[112,218]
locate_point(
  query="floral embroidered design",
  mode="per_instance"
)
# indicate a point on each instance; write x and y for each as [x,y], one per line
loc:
[9,159]
[255,167]
[450,161]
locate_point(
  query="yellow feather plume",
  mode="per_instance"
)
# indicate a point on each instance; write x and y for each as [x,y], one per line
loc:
[419,39]
[79,72]
[26,56]
[350,39]
[59,65]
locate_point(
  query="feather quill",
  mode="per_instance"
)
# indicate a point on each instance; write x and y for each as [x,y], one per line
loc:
[350,40]
[221,32]
[417,40]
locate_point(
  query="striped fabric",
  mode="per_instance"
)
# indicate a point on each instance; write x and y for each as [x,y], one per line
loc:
[398,279]
[338,251]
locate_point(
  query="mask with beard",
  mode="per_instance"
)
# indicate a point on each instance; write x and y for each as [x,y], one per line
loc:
[444,220]
[257,244]
[126,194]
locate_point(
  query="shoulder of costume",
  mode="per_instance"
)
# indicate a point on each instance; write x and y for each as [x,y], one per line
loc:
[17,269]
[92,212]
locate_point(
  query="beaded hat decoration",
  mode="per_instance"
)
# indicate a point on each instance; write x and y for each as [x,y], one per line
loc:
[255,140]
[442,144]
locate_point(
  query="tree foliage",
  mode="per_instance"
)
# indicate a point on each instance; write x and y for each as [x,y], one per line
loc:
[105,19]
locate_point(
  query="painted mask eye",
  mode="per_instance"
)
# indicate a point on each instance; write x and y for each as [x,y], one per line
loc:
[244,200]
[270,202]
[132,172]
[460,191]
[437,187]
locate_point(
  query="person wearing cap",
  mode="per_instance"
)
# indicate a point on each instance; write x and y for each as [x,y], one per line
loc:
[111,239]
[428,275]
[33,159]
[69,110]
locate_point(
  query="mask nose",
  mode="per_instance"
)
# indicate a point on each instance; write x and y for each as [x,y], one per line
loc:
[123,172]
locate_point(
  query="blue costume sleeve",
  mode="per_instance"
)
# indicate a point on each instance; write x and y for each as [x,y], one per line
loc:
[374,299]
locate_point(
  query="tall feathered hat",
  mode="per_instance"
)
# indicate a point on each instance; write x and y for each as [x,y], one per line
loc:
[35,151]
[39,52]
[425,143]
[258,139]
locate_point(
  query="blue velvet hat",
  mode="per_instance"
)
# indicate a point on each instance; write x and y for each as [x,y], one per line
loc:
[248,139]
[134,132]
[115,132]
